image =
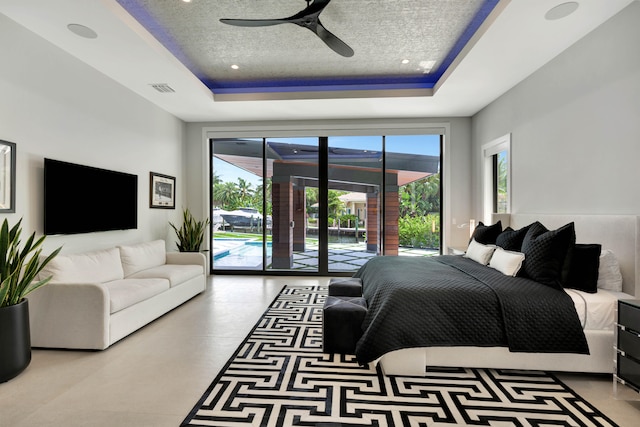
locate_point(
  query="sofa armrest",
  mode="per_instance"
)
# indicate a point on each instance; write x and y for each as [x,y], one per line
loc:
[70,315]
[187,258]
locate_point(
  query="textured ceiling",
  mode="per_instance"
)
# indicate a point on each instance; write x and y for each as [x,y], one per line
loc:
[515,41]
[427,34]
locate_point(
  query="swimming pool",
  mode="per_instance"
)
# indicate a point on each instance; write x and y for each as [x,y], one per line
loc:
[238,253]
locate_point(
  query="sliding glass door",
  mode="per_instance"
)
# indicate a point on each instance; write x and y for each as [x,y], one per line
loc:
[323,205]
[413,194]
[353,198]
[239,221]
[294,172]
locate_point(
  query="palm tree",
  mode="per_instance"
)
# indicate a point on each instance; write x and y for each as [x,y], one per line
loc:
[244,191]
[258,193]
[226,194]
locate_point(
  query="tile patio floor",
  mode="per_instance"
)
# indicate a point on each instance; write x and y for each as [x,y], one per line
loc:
[343,257]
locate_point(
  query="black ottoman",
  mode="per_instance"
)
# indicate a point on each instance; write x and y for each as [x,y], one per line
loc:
[345,286]
[342,319]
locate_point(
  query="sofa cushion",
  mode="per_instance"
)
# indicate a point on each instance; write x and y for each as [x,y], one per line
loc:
[94,267]
[127,292]
[176,274]
[142,256]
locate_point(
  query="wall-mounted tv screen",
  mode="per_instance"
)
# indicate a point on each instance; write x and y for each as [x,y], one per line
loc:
[84,199]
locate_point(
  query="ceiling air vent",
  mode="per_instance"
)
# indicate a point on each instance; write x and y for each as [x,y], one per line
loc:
[162,87]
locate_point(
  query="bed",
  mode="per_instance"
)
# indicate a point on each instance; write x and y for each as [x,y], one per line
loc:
[450,343]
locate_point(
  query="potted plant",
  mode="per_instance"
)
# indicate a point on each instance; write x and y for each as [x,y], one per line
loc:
[18,270]
[191,234]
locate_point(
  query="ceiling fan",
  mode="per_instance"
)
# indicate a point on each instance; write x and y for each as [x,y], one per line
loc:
[307,18]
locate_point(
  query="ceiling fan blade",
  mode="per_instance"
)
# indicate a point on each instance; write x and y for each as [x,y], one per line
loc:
[314,9]
[333,41]
[307,18]
[253,22]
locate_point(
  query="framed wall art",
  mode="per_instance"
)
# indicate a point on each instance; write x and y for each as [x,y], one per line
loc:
[162,192]
[7,177]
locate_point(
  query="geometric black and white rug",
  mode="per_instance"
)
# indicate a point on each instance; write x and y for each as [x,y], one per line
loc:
[279,376]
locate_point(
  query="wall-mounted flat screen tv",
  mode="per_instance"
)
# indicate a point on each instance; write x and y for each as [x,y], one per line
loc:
[84,199]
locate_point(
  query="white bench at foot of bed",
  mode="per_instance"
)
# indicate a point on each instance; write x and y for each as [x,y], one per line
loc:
[413,361]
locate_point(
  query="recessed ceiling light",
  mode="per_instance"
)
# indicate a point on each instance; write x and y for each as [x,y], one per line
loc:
[405,61]
[187,1]
[561,11]
[235,67]
[82,31]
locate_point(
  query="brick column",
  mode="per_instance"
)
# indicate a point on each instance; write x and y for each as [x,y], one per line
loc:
[373,230]
[299,218]
[391,215]
[282,241]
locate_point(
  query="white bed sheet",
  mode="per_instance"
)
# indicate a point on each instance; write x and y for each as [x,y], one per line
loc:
[597,311]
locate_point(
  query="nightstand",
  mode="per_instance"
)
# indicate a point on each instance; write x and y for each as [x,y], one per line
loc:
[627,350]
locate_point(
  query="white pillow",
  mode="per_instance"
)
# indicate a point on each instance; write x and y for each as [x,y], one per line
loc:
[506,262]
[142,256]
[92,267]
[609,276]
[479,253]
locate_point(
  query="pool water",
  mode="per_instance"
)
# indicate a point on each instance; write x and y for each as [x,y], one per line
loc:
[235,253]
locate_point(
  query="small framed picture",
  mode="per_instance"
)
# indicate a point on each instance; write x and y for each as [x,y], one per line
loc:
[162,191]
[7,177]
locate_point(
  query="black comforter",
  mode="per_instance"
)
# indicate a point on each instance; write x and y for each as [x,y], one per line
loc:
[453,301]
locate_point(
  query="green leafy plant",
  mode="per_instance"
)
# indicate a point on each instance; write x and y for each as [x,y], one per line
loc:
[419,232]
[191,234]
[19,267]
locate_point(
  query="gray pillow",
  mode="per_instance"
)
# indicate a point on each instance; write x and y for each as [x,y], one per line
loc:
[511,240]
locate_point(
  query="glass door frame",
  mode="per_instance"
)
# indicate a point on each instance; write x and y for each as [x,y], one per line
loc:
[363,128]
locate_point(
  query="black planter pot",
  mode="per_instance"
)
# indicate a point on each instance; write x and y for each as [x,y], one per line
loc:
[15,340]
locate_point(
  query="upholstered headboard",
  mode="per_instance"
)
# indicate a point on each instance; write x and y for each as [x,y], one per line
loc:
[618,233]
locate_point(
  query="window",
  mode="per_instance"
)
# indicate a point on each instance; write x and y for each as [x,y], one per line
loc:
[497,176]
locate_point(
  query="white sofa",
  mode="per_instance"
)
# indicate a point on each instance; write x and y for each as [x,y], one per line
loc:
[97,298]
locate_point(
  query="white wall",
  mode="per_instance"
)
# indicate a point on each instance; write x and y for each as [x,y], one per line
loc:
[52,105]
[575,127]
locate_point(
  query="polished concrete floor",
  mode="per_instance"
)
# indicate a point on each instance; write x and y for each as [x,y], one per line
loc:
[155,376]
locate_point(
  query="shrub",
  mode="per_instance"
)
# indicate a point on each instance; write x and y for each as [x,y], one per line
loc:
[418,232]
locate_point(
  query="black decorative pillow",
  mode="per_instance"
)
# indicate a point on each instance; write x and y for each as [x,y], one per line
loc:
[546,253]
[487,234]
[511,240]
[585,263]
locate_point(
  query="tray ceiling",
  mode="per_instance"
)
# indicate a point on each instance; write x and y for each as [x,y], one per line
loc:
[402,44]
[516,39]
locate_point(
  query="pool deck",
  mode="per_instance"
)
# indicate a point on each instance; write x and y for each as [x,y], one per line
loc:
[343,257]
